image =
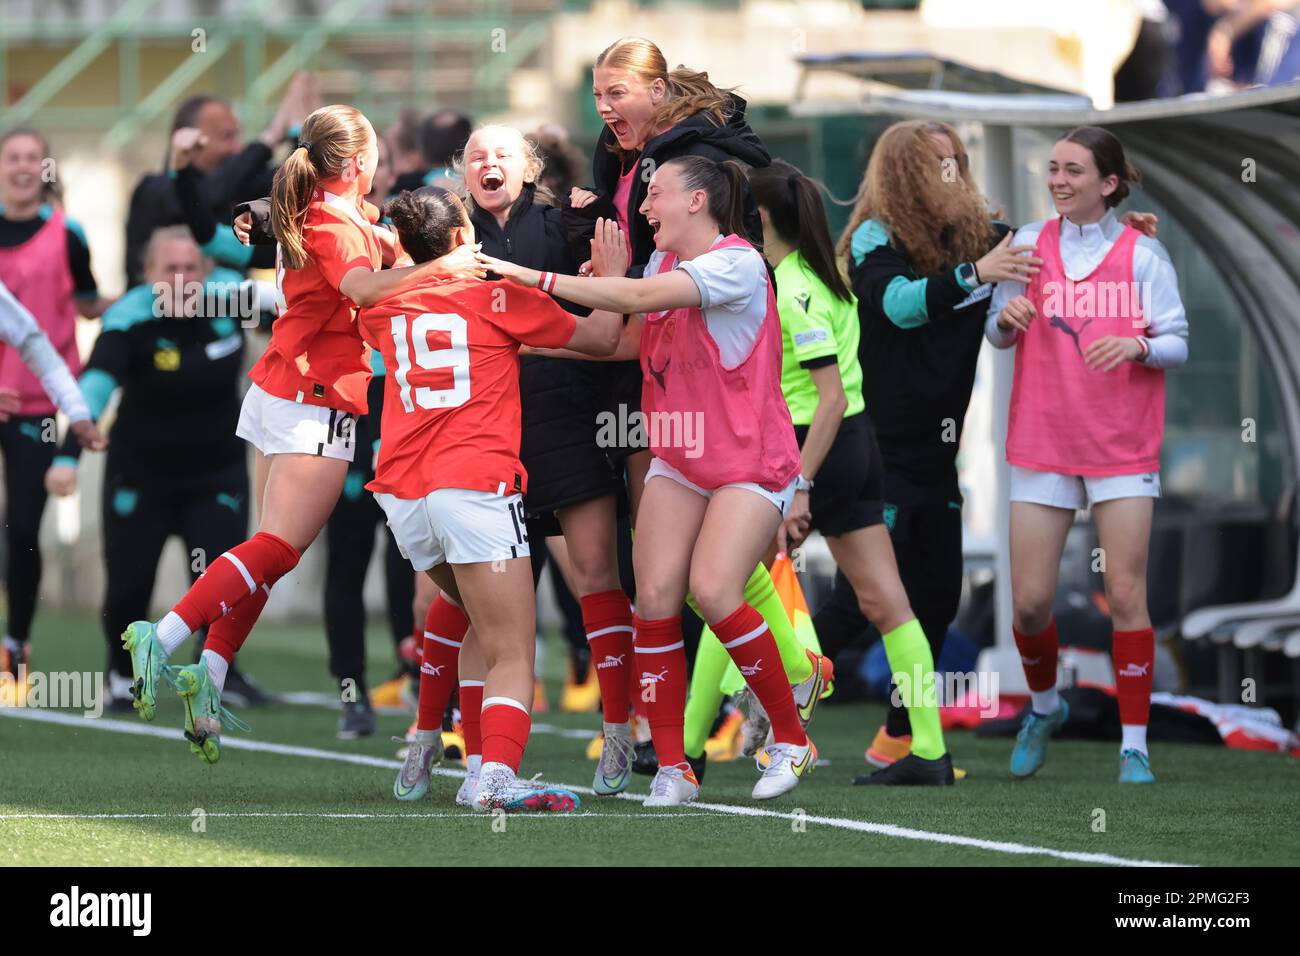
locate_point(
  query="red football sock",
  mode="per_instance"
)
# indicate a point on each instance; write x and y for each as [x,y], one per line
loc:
[226,635]
[506,723]
[661,662]
[471,715]
[607,619]
[1038,656]
[1133,653]
[751,645]
[234,576]
[444,631]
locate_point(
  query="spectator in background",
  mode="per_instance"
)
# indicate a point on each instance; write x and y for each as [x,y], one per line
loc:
[442,135]
[225,172]
[175,466]
[404,138]
[564,165]
[45,264]
[1278,59]
[1150,71]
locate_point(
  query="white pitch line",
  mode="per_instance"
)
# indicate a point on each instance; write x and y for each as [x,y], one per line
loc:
[857,826]
[278,815]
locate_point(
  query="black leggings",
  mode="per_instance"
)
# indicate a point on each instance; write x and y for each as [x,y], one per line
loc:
[209,513]
[28,444]
[350,543]
[927,544]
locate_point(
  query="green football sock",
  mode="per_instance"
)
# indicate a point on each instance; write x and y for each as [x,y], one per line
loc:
[711,662]
[909,656]
[760,594]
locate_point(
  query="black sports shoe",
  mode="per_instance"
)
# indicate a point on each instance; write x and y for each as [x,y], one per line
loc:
[120,705]
[911,771]
[644,759]
[241,690]
[699,765]
[356,720]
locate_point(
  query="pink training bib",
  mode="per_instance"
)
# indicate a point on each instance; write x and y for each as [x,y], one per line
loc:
[1065,417]
[739,415]
[38,274]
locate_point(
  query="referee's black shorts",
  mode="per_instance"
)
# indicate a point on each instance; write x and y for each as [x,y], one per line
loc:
[847,493]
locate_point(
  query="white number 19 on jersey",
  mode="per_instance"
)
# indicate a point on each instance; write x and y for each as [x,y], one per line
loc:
[455,357]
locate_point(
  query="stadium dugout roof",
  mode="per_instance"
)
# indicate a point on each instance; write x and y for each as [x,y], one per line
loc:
[1227,168]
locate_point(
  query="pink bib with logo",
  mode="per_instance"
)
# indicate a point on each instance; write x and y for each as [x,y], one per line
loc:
[1065,417]
[717,426]
[38,274]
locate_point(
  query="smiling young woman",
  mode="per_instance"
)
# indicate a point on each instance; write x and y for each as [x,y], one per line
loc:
[1086,423]
[45,264]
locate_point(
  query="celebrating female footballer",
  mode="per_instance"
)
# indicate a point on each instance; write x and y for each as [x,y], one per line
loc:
[298,414]
[710,347]
[449,475]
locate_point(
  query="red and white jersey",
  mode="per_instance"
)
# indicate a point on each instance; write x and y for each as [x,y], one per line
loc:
[451,393]
[316,355]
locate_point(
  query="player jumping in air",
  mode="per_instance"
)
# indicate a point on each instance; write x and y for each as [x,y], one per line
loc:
[298,414]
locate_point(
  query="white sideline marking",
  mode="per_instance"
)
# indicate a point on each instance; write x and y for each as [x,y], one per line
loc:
[858,826]
[311,698]
[277,815]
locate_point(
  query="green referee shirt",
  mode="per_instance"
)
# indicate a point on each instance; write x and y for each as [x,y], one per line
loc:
[816,329]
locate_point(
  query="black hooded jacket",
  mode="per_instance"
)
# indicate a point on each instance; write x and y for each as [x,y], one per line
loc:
[697,135]
[559,398]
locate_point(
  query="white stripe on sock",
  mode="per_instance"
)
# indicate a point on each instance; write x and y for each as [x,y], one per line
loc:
[746,638]
[616,629]
[472,683]
[492,701]
[430,636]
[248,578]
[659,650]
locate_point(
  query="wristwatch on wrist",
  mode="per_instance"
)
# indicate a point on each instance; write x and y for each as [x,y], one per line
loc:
[803,484]
[969,274]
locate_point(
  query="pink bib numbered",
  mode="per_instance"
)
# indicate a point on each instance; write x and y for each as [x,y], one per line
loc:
[1065,417]
[38,274]
[717,426]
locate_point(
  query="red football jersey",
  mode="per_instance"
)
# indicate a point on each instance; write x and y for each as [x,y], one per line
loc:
[451,392]
[316,355]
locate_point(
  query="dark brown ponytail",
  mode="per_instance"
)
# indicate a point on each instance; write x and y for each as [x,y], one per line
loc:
[794,203]
[725,186]
[1108,154]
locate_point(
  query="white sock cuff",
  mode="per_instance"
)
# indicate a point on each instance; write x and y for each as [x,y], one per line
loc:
[217,666]
[172,631]
[508,701]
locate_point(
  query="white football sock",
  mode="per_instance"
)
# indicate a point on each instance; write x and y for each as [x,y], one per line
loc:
[1135,737]
[217,667]
[1045,702]
[172,632]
